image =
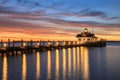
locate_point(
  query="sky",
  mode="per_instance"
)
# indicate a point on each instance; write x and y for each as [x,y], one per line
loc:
[59,19]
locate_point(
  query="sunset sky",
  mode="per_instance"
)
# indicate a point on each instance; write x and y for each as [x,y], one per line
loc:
[59,19]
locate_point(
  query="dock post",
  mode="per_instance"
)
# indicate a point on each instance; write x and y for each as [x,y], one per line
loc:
[8,42]
[40,42]
[53,43]
[63,42]
[70,42]
[13,45]
[48,43]
[21,42]
[1,43]
[31,43]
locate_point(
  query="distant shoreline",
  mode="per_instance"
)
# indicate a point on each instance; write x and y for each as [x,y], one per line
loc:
[113,41]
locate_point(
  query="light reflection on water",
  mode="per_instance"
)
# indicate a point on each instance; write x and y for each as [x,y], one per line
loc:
[85,63]
[5,68]
[78,63]
[64,64]
[24,67]
[37,65]
[74,61]
[57,65]
[69,62]
[49,65]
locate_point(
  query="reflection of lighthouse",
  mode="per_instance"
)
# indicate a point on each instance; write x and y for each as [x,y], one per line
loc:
[84,63]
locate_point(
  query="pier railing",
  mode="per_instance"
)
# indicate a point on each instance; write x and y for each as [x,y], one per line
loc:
[21,45]
[40,45]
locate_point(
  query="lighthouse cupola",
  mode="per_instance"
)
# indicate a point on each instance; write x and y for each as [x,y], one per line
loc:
[85,30]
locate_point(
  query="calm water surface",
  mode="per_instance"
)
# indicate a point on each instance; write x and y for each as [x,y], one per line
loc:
[79,63]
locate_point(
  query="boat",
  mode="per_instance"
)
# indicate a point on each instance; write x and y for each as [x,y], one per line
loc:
[87,38]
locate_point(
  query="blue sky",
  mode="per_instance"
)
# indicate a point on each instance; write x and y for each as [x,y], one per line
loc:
[60,16]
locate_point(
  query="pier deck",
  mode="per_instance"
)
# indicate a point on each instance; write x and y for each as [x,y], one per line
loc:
[15,46]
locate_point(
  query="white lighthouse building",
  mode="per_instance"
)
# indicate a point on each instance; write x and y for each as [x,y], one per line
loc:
[86,36]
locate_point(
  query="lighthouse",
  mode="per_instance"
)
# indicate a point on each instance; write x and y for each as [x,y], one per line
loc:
[87,38]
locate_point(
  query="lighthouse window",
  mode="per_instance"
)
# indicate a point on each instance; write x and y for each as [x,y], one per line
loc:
[88,38]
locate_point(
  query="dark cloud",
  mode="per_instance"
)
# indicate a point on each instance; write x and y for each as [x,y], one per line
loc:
[100,14]
[91,13]
[95,13]
[12,10]
[112,18]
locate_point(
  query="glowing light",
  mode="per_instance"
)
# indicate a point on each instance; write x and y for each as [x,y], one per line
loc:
[24,44]
[38,43]
[85,30]
[81,42]
[57,43]
[49,43]
[74,42]
[4,45]
[69,43]
[63,43]
[78,42]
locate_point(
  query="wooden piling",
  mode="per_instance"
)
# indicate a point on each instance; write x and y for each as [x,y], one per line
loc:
[1,43]
[31,43]
[21,42]
[13,43]
[8,42]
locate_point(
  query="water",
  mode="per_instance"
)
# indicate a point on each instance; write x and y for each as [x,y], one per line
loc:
[80,63]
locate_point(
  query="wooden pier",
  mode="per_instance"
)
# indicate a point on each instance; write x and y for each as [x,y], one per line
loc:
[23,46]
